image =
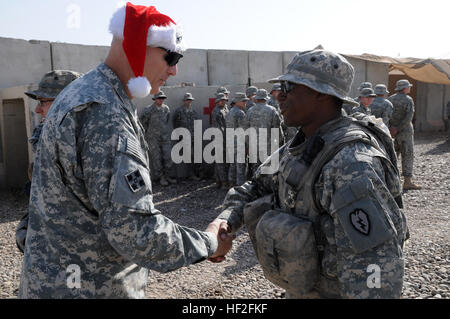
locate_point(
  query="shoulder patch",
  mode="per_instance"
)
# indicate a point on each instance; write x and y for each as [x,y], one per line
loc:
[360,221]
[135,181]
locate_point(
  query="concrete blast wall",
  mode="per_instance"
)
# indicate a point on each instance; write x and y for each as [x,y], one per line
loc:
[23,62]
[81,58]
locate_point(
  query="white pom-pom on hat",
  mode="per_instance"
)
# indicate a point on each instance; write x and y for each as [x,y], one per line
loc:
[139,87]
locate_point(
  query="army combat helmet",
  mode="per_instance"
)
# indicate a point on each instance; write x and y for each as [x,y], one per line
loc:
[52,83]
[323,71]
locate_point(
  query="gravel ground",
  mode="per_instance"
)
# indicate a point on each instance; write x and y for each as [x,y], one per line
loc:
[195,204]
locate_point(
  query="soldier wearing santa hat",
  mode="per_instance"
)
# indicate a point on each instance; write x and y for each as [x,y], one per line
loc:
[93,229]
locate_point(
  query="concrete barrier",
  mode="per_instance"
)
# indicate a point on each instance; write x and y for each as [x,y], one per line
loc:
[76,57]
[264,65]
[192,68]
[360,75]
[377,73]
[23,62]
[227,67]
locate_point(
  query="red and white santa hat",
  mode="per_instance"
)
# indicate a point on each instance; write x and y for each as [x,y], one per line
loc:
[139,27]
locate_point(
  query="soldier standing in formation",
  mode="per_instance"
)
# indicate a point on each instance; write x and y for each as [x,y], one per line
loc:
[348,108]
[402,130]
[250,92]
[265,117]
[381,107]
[93,230]
[366,97]
[319,225]
[155,120]
[185,116]
[51,84]
[236,119]
[218,120]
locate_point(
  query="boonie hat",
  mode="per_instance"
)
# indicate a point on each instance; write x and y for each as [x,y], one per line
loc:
[220,97]
[239,97]
[402,84]
[159,95]
[381,89]
[323,71]
[261,94]
[188,96]
[251,90]
[52,83]
[364,85]
[367,92]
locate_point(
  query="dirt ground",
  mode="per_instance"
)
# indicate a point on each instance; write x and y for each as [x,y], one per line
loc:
[195,204]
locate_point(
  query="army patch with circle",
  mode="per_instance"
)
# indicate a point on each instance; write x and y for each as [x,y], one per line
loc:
[360,221]
[135,181]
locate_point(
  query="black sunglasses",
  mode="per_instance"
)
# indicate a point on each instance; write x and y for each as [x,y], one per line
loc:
[172,58]
[286,87]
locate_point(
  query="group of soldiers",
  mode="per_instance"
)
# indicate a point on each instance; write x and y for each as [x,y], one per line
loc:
[328,223]
[255,108]
[396,112]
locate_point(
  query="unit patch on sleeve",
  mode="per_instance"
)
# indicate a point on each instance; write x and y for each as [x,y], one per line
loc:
[360,221]
[135,181]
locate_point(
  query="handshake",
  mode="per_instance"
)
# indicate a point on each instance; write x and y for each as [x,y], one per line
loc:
[221,230]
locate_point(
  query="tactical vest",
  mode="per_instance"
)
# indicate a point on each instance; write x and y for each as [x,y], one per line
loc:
[285,227]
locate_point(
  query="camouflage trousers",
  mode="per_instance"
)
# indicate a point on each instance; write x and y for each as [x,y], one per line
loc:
[159,155]
[404,146]
[237,172]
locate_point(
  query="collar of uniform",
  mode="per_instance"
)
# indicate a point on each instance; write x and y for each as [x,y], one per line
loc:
[299,142]
[117,85]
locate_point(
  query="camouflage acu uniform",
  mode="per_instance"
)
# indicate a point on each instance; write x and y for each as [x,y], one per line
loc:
[402,116]
[361,109]
[185,117]
[91,209]
[51,84]
[35,136]
[218,121]
[348,108]
[263,116]
[382,108]
[350,209]
[155,120]
[236,171]
[251,90]
[447,115]
[345,253]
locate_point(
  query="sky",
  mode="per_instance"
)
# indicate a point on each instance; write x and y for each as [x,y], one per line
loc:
[393,28]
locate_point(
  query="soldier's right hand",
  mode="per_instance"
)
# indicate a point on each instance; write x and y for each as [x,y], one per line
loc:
[221,229]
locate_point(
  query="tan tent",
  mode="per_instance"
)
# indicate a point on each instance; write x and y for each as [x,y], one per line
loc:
[423,70]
